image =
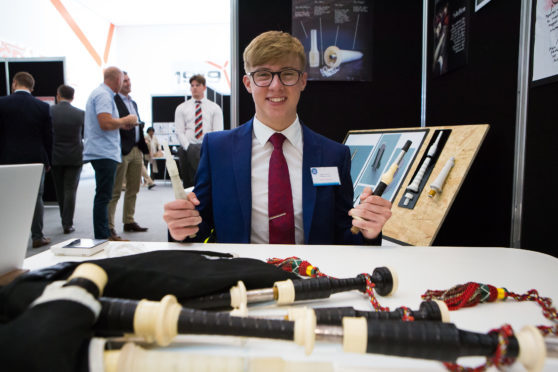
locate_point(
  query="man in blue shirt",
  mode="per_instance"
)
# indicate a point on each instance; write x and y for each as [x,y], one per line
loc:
[102,144]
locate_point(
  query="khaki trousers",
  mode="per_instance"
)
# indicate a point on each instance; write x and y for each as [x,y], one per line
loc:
[129,170]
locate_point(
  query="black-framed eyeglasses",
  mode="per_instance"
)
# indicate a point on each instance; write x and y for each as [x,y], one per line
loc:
[263,78]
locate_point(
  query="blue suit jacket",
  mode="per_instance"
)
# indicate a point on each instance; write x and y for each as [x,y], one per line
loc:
[223,187]
[25,130]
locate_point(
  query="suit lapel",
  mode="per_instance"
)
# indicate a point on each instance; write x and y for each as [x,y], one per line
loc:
[311,157]
[242,168]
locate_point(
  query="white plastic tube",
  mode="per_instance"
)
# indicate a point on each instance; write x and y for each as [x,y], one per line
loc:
[436,186]
[313,55]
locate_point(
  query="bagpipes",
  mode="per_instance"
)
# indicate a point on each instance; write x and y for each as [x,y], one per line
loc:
[402,332]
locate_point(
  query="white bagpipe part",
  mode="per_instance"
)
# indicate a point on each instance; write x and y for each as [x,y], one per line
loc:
[333,56]
[436,186]
[174,175]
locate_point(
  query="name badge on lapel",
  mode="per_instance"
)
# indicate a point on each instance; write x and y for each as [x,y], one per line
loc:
[325,176]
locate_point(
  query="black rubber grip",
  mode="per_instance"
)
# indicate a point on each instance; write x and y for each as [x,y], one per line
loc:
[117,316]
[84,283]
[217,301]
[380,189]
[431,340]
[428,310]
[323,287]
[214,323]
[406,146]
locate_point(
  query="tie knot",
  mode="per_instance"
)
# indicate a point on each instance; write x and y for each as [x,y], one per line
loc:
[277,140]
[198,102]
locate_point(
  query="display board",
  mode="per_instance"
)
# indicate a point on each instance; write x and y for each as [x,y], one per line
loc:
[429,154]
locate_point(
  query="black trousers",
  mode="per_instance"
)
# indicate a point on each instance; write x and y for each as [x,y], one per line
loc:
[189,161]
[66,180]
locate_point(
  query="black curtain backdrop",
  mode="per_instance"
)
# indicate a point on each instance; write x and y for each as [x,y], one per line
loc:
[482,91]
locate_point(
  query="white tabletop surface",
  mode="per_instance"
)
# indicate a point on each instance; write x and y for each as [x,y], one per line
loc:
[418,268]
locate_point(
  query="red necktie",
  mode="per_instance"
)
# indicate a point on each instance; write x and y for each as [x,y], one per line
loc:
[199,123]
[280,198]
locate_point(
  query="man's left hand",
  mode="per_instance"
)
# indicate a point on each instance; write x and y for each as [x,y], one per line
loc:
[374,212]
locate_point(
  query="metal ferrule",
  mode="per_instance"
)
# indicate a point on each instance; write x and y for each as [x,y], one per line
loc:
[327,333]
[259,295]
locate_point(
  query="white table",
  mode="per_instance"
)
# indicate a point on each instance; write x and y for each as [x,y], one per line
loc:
[418,268]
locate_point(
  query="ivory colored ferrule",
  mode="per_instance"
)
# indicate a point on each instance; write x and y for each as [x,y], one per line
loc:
[285,292]
[333,56]
[532,348]
[444,311]
[305,330]
[157,321]
[394,280]
[355,335]
[92,272]
[238,295]
[387,177]
[436,186]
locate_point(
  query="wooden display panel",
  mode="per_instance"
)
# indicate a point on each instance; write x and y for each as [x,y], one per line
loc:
[419,226]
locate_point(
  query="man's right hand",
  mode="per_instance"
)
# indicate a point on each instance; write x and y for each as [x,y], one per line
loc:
[130,121]
[182,218]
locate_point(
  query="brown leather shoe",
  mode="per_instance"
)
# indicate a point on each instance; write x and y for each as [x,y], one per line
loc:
[40,242]
[134,227]
[114,237]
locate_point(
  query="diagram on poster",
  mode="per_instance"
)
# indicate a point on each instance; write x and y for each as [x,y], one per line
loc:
[336,35]
[373,153]
[545,52]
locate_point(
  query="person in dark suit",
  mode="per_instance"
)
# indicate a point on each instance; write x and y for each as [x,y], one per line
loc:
[236,197]
[133,147]
[26,137]
[67,155]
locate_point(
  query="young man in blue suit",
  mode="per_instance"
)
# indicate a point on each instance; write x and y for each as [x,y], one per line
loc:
[236,196]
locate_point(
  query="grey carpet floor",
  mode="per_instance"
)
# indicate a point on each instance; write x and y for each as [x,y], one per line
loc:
[149,213]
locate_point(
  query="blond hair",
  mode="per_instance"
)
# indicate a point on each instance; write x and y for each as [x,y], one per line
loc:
[273,46]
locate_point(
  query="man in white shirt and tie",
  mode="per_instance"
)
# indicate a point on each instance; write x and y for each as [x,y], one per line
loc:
[192,119]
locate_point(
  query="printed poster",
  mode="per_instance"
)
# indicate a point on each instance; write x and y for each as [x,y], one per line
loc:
[450,28]
[545,52]
[337,38]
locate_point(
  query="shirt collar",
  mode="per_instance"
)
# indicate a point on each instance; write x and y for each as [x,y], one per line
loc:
[106,87]
[194,100]
[293,132]
[127,98]
[22,90]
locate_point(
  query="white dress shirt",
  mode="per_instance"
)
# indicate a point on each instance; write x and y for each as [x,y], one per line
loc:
[261,153]
[184,120]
